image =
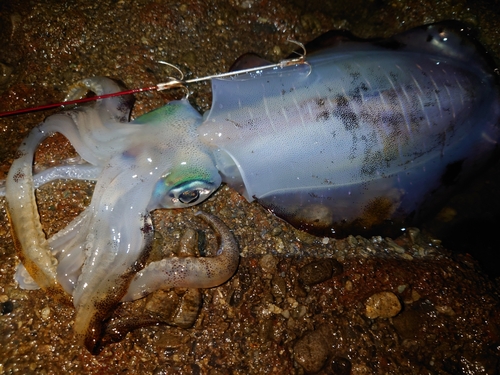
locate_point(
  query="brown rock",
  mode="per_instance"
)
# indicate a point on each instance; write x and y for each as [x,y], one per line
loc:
[382,305]
[311,351]
[319,271]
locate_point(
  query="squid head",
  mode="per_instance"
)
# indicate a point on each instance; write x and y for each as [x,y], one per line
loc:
[191,176]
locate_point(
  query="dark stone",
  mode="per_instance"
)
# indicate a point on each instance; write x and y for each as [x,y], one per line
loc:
[318,271]
[7,307]
[311,351]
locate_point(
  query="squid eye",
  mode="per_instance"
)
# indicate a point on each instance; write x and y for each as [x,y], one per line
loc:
[185,193]
[189,196]
[182,195]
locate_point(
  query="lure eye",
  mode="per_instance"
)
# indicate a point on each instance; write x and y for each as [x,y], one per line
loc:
[190,196]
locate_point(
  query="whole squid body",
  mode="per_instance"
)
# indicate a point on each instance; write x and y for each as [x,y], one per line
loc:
[359,135]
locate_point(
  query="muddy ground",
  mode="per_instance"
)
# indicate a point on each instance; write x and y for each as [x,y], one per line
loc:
[298,304]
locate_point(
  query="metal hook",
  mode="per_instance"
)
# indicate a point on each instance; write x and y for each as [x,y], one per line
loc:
[173,83]
[301,45]
[301,60]
[169,84]
[173,66]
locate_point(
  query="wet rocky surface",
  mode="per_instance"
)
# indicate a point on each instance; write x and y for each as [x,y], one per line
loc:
[297,304]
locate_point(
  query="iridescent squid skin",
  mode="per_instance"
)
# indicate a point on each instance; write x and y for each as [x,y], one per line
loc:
[364,134]
[369,140]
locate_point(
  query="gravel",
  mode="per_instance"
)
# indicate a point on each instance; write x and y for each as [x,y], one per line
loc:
[277,315]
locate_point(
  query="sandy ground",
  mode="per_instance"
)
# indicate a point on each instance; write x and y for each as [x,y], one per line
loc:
[268,318]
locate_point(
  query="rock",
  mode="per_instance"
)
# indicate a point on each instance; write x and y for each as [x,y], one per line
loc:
[311,351]
[177,307]
[6,307]
[408,324]
[382,305]
[319,271]
[278,287]
[5,74]
[269,263]
[340,366]
[45,313]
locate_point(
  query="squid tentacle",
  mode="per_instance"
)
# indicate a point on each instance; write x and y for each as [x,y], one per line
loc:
[31,245]
[77,125]
[86,172]
[188,272]
[67,247]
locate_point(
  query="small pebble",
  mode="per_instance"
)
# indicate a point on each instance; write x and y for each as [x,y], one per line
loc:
[348,285]
[340,366]
[276,231]
[5,74]
[382,305]
[169,307]
[394,246]
[6,307]
[413,234]
[319,271]
[45,314]
[188,309]
[413,297]
[352,241]
[408,324]
[446,310]
[162,302]
[278,287]
[268,263]
[311,351]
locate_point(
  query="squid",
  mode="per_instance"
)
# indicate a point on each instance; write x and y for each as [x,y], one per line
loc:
[357,136]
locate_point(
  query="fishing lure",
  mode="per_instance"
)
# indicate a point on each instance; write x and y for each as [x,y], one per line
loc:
[355,135]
